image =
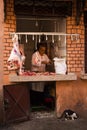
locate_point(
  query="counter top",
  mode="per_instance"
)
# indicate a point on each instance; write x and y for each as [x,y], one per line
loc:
[38,78]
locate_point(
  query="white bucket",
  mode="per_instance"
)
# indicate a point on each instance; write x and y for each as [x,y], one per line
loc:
[60,65]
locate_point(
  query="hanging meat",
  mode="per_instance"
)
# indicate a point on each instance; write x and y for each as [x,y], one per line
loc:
[16,58]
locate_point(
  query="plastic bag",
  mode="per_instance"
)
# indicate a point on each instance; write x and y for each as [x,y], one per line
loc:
[60,65]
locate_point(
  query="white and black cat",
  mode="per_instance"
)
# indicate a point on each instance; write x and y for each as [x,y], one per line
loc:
[68,115]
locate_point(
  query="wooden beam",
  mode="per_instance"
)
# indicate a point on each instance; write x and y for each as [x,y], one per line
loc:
[80,4]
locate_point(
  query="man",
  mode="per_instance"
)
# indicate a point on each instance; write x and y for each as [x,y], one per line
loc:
[40,59]
[39,62]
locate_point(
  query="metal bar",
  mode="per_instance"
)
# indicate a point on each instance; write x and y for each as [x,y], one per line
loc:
[44,33]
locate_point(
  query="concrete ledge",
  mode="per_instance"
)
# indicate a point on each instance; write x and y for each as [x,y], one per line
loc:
[37,78]
[83,76]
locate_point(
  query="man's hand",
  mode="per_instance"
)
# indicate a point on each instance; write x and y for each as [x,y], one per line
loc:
[44,62]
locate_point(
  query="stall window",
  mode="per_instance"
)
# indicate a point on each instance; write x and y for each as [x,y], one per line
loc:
[58,43]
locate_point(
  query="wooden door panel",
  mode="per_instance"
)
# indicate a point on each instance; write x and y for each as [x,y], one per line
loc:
[16,102]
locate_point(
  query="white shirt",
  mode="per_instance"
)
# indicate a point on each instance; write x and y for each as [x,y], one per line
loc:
[38,67]
[37,62]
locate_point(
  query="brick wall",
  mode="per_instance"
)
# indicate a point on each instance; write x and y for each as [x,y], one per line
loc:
[75,48]
[1,58]
[9,26]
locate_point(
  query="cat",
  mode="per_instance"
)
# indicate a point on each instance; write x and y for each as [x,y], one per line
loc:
[68,115]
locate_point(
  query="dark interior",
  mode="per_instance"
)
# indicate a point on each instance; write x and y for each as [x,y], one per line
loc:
[42,100]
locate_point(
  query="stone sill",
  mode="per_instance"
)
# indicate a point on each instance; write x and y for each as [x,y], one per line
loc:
[83,76]
[38,78]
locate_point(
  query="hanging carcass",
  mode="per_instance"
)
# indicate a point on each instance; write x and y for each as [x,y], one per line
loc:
[16,58]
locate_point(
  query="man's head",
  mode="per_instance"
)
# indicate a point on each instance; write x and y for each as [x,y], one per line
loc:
[42,48]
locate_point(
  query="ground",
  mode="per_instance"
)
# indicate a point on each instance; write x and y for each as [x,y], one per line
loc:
[48,123]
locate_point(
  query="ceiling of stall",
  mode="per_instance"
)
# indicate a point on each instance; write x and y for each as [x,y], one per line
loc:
[51,8]
[47,8]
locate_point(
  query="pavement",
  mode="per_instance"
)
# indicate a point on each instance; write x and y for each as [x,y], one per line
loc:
[48,123]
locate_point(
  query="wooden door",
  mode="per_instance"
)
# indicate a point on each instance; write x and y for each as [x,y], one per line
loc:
[16,103]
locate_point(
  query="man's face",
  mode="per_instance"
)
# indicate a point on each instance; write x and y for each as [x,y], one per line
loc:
[42,50]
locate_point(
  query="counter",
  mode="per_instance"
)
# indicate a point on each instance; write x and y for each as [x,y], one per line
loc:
[37,78]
